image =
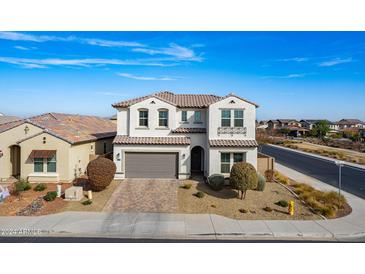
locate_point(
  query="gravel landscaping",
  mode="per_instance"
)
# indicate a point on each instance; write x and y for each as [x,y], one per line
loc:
[226,203]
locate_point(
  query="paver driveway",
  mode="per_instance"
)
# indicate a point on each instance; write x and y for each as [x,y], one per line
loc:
[144,195]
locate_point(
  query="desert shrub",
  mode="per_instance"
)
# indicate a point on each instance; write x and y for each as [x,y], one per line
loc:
[186,186]
[242,210]
[281,178]
[87,202]
[50,196]
[199,194]
[216,181]
[282,203]
[40,187]
[22,185]
[267,209]
[324,203]
[100,173]
[243,177]
[261,182]
[269,174]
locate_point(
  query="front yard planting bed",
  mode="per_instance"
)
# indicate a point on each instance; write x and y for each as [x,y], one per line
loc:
[31,202]
[226,203]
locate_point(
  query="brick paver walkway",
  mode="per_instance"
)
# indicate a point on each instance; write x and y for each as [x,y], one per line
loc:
[144,195]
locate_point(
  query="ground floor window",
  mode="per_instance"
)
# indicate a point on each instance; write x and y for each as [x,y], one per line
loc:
[38,164]
[51,164]
[229,158]
[45,164]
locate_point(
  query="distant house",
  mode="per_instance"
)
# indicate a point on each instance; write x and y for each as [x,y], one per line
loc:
[309,123]
[6,119]
[283,123]
[262,124]
[53,147]
[350,123]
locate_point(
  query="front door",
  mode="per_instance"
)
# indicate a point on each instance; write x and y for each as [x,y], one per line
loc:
[15,161]
[196,159]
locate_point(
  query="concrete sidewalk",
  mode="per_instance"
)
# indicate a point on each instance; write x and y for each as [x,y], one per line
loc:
[191,226]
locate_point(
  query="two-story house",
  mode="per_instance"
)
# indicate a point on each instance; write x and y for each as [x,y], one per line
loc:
[167,135]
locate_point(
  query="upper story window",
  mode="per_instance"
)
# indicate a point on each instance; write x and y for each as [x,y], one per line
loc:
[238,118]
[163,117]
[143,118]
[184,116]
[226,115]
[226,118]
[197,116]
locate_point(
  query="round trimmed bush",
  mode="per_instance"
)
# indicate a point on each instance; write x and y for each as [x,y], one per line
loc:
[100,173]
[243,177]
[261,182]
[216,181]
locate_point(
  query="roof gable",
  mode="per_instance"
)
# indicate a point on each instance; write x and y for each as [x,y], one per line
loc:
[180,100]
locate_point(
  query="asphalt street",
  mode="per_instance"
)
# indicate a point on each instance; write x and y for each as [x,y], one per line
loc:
[353,178]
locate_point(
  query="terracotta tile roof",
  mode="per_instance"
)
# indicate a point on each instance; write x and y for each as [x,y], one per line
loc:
[6,119]
[180,100]
[189,130]
[125,140]
[232,143]
[350,122]
[72,128]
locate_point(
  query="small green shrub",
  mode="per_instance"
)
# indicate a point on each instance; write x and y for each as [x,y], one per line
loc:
[261,182]
[87,202]
[22,185]
[199,194]
[50,196]
[267,209]
[242,210]
[186,186]
[282,203]
[216,181]
[40,187]
[243,177]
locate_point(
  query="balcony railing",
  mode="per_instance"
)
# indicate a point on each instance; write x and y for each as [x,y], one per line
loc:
[232,130]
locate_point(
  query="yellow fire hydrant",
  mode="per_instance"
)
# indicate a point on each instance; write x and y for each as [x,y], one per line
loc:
[291,208]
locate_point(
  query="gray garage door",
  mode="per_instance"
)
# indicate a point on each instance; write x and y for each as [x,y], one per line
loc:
[150,165]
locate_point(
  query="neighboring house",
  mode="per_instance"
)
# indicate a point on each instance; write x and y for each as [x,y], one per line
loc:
[6,119]
[362,133]
[262,124]
[114,118]
[350,123]
[309,123]
[167,135]
[53,147]
[283,123]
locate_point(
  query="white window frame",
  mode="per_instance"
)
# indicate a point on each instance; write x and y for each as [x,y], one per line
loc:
[143,118]
[227,119]
[234,117]
[196,121]
[231,159]
[163,110]
[184,113]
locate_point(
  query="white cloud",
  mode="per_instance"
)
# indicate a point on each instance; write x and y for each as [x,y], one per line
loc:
[21,48]
[42,63]
[17,36]
[174,50]
[295,59]
[289,76]
[145,78]
[109,43]
[334,62]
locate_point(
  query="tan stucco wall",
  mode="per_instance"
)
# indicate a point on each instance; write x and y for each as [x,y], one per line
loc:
[80,155]
[9,138]
[52,143]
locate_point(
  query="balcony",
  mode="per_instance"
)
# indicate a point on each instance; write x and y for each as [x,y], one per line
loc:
[232,130]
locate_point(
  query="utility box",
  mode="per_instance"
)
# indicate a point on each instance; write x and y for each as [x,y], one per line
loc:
[74,193]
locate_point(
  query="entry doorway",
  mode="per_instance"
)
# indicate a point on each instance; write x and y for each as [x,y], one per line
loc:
[15,161]
[197,159]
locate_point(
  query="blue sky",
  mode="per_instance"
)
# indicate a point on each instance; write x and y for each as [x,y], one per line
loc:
[289,74]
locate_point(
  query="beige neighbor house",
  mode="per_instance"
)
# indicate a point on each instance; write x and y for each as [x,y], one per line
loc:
[167,135]
[53,147]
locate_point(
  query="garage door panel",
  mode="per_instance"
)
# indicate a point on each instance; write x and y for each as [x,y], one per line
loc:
[150,165]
